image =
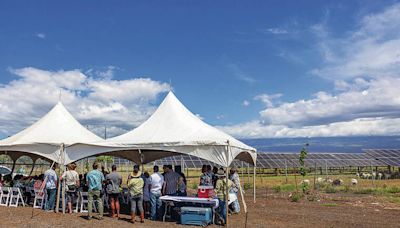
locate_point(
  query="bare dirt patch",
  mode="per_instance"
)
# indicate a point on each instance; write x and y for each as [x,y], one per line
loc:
[272,210]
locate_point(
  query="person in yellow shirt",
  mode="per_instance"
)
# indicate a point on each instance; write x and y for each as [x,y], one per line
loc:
[135,186]
[220,192]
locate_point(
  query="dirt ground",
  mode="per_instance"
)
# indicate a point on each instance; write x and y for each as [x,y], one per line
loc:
[270,210]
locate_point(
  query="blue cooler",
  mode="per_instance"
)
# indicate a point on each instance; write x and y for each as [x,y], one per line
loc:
[199,216]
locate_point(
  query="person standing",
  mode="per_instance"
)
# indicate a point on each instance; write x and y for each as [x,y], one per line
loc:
[220,191]
[94,179]
[156,184]
[114,181]
[215,178]
[135,186]
[51,179]
[146,194]
[171,181]
[234,177]
[205,178]
[71,179]
[181,187]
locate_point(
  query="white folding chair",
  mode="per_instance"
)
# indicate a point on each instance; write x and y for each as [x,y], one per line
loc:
[40,199]
[77,202]
[16,197]
[125,196]
[4,196]
[29,194]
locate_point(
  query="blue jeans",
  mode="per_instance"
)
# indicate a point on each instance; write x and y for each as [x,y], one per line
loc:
[155,205]
[222,209]
[51,197]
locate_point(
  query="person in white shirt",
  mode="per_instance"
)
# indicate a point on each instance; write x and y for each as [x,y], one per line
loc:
[51,178]
[156,183]
[71,178]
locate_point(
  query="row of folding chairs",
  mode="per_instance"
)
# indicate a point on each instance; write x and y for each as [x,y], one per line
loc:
[11,196]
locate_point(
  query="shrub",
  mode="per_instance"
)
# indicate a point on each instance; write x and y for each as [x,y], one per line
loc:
[295,197]
[305,188]
[312,197]
[247,186]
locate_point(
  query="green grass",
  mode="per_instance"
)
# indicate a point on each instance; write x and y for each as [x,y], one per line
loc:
[394,199]
[284,188]
[378,191]
[330,204]
[330,189]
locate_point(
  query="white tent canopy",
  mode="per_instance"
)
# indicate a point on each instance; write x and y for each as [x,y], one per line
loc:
[45,137]
[170,130]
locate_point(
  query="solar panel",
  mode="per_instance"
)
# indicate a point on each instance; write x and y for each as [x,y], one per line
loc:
[291,160]
[390,157]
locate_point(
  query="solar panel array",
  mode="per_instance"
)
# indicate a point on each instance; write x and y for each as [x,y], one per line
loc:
[388,156]
[282,160]
[332,160]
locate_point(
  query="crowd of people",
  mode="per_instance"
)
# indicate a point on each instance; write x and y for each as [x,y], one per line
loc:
[217,179]
[144,189]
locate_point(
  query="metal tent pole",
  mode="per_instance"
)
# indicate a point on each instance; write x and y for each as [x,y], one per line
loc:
[254,183]
[63,181]
[33,166]
[227,184]
[13,166]
[59,182]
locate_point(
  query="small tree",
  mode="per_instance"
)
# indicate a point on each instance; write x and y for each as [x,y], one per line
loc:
[303,172]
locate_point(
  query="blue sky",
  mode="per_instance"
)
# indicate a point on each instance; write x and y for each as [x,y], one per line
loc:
[252,68]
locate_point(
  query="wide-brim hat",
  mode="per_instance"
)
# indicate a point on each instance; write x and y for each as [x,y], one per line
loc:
[221,173]
[138,174]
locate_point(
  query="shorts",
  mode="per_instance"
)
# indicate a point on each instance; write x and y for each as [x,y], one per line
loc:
[113,195]
[71,197]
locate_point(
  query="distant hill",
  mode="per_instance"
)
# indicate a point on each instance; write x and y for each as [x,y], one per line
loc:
[325,144]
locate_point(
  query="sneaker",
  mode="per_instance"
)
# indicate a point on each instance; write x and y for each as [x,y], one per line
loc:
[100,218]
[49,211]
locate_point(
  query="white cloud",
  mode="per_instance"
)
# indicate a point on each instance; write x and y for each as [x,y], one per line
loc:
[364,65]
[41,35]
[356,127]
[95,101]
[362,99]
[371,50]
[246,103]
[268,100]
[277,31]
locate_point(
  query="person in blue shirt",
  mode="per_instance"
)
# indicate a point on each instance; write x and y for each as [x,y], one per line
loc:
[95,180]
